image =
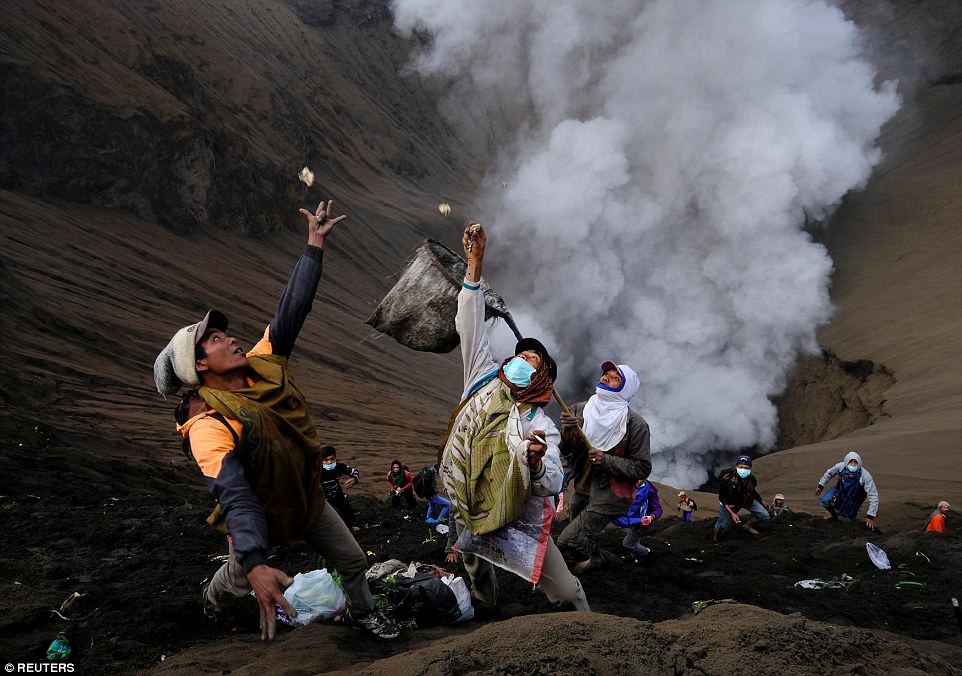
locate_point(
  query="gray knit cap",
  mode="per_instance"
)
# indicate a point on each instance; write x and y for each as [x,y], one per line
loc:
[174,365]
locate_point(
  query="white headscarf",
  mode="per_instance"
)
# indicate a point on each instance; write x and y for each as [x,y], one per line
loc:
[606,413]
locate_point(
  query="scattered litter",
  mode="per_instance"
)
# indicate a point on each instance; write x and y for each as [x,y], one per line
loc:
[306,176]
[442,528]
[908,583]
[695,560]
[163,657]
[698,606]
[218,557]
[59,650]
[923,556]
[65,606]
[419,594]
[845,577]
[462,594]
[385,568]
[822,584]
[879,557]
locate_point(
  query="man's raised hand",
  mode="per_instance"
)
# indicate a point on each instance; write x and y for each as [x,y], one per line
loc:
[321,222]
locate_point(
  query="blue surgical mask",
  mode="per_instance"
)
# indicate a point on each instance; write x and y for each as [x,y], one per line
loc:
[330,467]
[852,468]
[743,473]
[519,372]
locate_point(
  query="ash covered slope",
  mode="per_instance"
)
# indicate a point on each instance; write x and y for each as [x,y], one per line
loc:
[142,142]
[194,113]
[897,247]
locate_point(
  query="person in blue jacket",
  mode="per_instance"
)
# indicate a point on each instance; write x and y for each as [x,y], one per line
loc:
[644,511]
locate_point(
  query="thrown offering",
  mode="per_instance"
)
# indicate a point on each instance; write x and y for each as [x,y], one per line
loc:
[306,176]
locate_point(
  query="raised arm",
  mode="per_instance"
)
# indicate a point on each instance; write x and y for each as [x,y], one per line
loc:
[298,296]
[469,322]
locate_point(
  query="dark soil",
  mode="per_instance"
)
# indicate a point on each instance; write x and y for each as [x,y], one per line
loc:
[131,539]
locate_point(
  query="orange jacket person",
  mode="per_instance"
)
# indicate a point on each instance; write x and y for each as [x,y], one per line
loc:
[937,522]
[249,429]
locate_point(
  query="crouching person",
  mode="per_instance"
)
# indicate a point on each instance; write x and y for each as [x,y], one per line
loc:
[644,511]
[739,491]
[249,429]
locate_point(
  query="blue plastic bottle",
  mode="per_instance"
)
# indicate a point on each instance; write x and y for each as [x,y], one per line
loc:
[59,650]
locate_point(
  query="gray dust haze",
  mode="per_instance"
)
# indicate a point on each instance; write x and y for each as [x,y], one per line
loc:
[661,161]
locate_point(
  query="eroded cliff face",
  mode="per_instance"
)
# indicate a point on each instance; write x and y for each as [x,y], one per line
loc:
[827,397]
[190,113]
[865,353]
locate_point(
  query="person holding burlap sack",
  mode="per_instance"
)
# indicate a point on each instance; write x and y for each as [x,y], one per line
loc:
[501,451]
[604,470]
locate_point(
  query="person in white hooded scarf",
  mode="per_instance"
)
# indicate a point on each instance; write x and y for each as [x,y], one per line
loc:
[853,486]
[603,470]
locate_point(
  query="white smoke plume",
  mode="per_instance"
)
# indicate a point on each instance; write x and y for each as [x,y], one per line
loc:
[662,159]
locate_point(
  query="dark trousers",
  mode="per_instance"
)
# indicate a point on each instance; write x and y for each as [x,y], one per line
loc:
[343,507]
[408,496]
[583,532]
[331,539]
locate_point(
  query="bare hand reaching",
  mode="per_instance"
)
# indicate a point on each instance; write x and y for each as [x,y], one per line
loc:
[321,222]
[269,584]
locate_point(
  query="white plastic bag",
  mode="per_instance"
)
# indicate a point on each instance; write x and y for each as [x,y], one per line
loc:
[879,558]
[820,584]
[315,596]
[462,594]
